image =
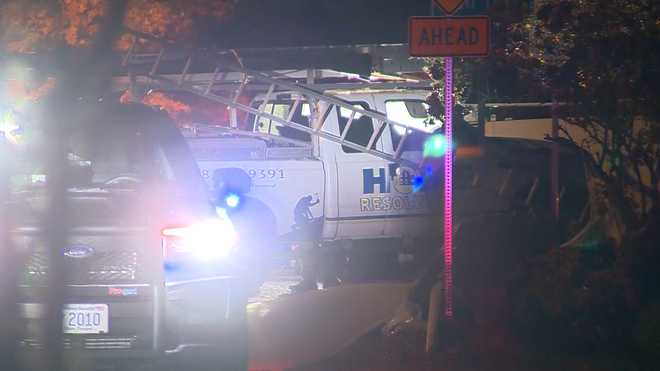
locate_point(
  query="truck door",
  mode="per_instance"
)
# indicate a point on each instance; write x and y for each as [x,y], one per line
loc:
[358,175]
[408,209]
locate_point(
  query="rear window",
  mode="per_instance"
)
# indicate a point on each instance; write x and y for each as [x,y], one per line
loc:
[98,154]
[282,109]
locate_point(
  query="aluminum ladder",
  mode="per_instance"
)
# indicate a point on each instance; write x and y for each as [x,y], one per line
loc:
[226,74]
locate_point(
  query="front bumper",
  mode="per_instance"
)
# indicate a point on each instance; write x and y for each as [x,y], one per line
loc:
[145,320]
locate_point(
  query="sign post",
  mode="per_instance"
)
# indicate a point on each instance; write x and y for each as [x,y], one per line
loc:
[449,37]
[448,275]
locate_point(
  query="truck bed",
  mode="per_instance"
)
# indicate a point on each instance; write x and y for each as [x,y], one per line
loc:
[287,179]
[241,149]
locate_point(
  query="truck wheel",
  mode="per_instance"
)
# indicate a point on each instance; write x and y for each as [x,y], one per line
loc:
[231,356]
[228,351]
[308,276]
[206,360]
[324,265]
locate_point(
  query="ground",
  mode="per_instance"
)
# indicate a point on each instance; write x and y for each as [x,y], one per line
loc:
[334,329]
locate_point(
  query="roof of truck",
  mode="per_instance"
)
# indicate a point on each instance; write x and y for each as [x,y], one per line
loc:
[380,91]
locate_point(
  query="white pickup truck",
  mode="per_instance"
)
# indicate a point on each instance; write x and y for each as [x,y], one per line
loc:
[323,193]
[319,190]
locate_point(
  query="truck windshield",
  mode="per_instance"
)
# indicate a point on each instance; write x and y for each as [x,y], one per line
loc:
[413,113]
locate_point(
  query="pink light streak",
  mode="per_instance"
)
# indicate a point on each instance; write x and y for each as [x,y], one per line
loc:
[449,168]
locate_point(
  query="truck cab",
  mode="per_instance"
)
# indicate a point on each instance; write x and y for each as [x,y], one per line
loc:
[321,191]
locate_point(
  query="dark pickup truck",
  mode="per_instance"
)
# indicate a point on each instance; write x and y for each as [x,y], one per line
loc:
[152,270]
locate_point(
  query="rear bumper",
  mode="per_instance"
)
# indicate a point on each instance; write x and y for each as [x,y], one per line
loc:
[144,320]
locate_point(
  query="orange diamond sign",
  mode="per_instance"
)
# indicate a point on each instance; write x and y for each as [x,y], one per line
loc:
[449,6]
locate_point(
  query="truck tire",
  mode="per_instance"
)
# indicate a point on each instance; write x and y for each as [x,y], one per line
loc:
[231,356]
[324,265]
[225,349]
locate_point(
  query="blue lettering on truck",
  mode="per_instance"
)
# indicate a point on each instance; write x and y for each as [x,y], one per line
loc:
[379,183]
[370,181]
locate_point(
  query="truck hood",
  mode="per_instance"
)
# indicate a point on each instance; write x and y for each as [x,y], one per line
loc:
[91,207]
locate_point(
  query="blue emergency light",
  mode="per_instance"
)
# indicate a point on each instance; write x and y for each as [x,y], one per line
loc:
[232,200]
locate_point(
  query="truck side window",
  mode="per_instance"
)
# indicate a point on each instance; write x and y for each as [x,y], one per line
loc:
[361,129]
[413,113]
[282,109]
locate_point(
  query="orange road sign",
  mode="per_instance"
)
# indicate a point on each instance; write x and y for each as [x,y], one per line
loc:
[449,6]
[449,36]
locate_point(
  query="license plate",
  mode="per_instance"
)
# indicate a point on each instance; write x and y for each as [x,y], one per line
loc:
[85,319]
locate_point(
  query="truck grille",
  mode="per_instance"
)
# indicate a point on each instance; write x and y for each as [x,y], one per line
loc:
[98,343]
[36,268]
[114,267]
[109,343]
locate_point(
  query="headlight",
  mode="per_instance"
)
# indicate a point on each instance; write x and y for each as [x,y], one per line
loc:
[207,241]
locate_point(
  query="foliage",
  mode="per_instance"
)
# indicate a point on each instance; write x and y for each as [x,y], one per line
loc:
[187,109]
[490,78]
[647,333]
[19,93]
[174,108]
[594,301]
[38,25]
[600,57]
[578,300]
[68,28]
[436,72]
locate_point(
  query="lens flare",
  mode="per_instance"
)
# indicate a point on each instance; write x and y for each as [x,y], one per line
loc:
[435,146]
[232,200]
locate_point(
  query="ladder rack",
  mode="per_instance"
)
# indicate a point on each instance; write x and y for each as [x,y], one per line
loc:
[227,73]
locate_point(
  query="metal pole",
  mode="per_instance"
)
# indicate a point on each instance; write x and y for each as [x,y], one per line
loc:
[554,171]
[448,215]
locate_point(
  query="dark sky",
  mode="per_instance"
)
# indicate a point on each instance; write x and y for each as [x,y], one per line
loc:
[283,23]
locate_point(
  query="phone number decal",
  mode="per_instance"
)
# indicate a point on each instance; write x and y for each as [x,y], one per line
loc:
[266,173]
[255,173]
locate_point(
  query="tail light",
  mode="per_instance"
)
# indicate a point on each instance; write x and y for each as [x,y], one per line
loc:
[207,241]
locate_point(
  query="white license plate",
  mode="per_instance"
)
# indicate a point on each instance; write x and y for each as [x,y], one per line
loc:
[85,319]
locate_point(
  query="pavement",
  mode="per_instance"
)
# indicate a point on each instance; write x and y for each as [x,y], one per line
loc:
[289,331]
